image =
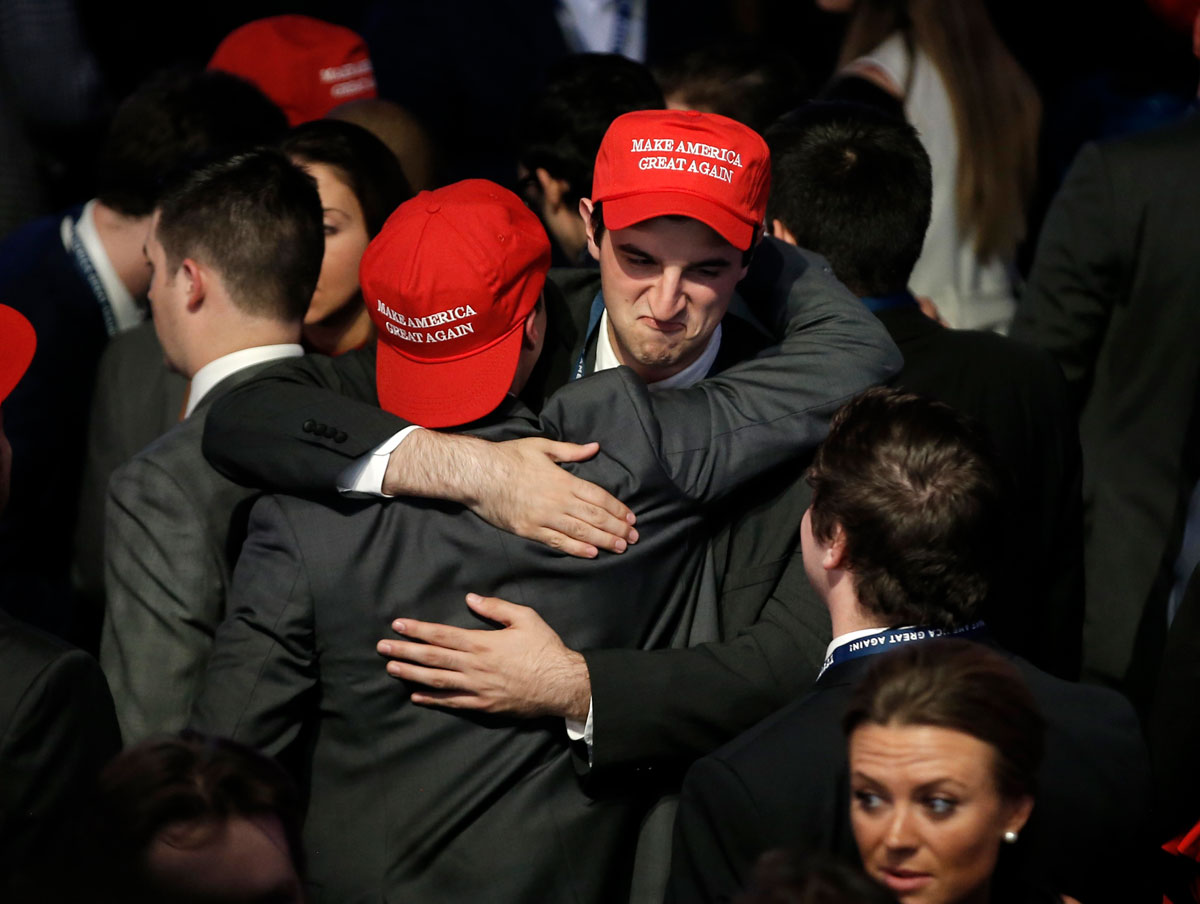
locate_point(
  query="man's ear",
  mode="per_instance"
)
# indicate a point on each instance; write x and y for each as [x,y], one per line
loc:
[535,324]
[781,232]
[196,280]
[554,190]
[585,211]
[835,550]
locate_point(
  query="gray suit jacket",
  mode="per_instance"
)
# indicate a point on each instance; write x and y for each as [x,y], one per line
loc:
[418,804]
[173,527]
[137,399]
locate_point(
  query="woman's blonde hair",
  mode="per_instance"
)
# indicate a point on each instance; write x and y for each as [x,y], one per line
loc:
[997,112]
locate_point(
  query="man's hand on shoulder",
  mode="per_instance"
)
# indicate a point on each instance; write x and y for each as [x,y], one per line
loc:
[516,486]
[522,669]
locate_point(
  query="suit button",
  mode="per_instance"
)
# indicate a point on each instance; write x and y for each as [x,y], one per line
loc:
[309,425]
[341,437]
[322,430]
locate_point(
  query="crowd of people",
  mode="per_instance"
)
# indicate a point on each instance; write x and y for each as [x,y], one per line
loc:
[706,510]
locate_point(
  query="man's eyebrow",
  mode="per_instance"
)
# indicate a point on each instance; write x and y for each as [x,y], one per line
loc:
[631,248]
[713,262]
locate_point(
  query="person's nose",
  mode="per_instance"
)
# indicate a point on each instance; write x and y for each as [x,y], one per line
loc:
[667,297]
[901,829]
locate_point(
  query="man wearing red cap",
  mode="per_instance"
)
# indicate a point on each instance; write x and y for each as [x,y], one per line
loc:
[414,802]
[702,180]
[304,65]
[57,725]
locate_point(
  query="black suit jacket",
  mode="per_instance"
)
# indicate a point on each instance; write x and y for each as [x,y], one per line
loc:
[1112,296]
[784,783]
[415,803]
[57,730]
[669,704]
[45,418]
[1018,395]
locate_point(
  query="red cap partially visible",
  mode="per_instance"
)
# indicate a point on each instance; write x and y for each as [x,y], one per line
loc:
[448,282]
[700,165]
[17,343]
[306,66]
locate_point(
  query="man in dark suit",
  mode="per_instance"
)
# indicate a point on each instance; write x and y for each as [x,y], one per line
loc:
[57,726]
[1112,297]
[254,435]
[901,542]
[80,278]
[420,803]
[174,525]
[854,185]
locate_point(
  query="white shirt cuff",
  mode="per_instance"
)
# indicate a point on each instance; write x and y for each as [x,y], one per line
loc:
[365,474]
[577,731]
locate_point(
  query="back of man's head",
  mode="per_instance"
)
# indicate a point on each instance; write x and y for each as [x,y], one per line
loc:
[452,283]
[913,486]
[172,120]
[854,185]
[256,219]
[562,128]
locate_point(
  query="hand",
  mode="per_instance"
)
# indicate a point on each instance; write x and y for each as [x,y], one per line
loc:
[516,486]
[532,497]
[523,669]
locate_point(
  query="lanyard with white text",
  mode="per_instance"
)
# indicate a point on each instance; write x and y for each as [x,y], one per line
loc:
[88,269]
[890,640]
[593,321]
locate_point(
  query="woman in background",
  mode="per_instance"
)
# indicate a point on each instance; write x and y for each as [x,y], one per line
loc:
[945,742]
[978,115]
[360,183]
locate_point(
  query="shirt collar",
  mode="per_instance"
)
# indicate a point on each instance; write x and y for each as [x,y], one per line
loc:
[846,638]
[606,358]
[126,311]
[214,372]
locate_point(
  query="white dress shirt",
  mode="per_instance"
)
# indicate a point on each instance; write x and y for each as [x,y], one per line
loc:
[215,371]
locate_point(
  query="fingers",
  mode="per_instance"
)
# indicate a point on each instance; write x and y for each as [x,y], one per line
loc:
[558,451]
[452,638]
[602,509]
[438,679]
[419,653]
[453,700]
[498,610]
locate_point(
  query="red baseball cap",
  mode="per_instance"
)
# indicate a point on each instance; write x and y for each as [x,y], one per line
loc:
[700,165]
[448,282]
[306,66]
[17,342]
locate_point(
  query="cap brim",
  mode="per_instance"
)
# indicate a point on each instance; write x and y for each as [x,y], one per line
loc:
[446,393]
[620,213]
[16,348]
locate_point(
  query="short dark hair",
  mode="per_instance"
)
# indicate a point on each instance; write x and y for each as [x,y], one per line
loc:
[163,782]
[561,129]
[914,487]
[962,686]
[854,185]
[174,118]
[256,219]
[744,81]
[597,221]
[364,164]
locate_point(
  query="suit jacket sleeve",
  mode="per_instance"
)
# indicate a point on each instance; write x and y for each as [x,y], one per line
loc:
[256,435]
[718,835]
[165,598]
[59,735]
[683,702]
[1078,272]
[715,436]
[263,664]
